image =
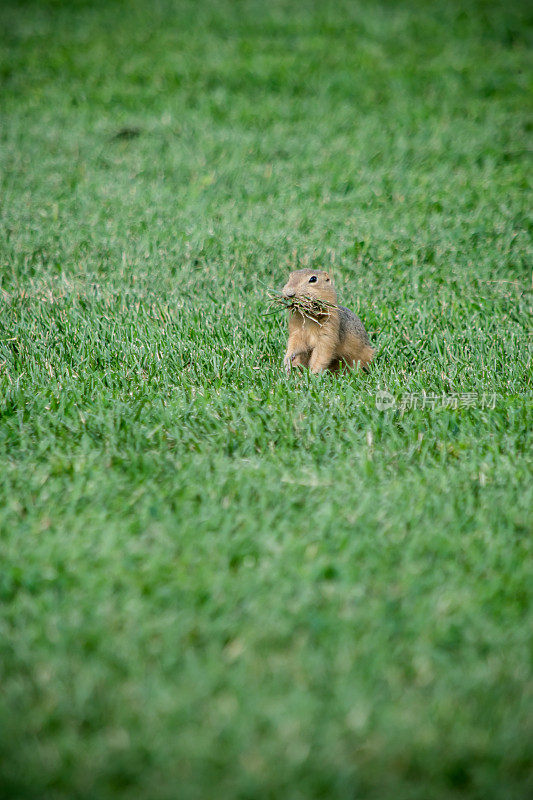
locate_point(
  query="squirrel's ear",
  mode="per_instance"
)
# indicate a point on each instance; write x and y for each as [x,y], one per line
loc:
[326,275]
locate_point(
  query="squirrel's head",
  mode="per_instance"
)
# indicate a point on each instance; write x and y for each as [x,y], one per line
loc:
[313,283]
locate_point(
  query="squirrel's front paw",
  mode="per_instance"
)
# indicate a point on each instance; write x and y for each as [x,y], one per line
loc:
[287,363]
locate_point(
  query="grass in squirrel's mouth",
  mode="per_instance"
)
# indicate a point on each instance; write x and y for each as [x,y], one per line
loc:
[309,307]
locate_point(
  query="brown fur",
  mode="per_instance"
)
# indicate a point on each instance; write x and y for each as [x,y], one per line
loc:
[330,340]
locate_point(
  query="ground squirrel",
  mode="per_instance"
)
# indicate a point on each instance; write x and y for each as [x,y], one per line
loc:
[326,339]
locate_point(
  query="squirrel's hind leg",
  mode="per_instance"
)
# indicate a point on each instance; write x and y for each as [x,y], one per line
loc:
[320,360]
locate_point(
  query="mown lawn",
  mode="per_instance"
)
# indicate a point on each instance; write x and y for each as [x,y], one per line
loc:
[216,582]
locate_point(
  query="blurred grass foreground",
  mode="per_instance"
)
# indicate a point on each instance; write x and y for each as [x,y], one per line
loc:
[216,582]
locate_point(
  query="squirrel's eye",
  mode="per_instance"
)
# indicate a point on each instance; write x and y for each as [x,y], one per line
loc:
[312,279]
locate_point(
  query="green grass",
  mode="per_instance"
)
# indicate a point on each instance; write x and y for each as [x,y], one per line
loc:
[216,582]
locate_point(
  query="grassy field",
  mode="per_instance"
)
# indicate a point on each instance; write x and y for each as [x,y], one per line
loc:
[216,582]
